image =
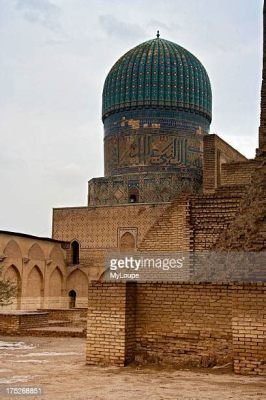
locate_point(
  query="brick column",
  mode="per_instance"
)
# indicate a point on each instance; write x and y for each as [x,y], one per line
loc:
[111,323]
[249,329]
[261,151]
[209,164]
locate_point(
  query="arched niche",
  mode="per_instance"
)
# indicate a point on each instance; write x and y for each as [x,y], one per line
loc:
[57,255]
[56,283]
[12,249]
[36,253]
[78,281]
[127,242]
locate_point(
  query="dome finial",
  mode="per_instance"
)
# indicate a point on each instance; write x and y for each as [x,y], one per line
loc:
[158,34]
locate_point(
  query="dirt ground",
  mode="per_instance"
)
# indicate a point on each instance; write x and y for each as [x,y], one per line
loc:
[57,365]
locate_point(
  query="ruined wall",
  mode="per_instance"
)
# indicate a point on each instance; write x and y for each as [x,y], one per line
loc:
[16,323]
[210,215]
[237,173]
[74,315]
[249,329]
[171,232]
[261,151]
[248,229]
[216,152]
[178,324]
[175,324]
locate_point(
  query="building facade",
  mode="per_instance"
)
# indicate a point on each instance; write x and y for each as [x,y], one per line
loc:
[168,184]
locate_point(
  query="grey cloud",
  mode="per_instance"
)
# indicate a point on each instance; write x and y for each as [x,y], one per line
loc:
[163,27]
[40,11]
[120,29]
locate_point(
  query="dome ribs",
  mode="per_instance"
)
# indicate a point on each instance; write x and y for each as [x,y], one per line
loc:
[158,74]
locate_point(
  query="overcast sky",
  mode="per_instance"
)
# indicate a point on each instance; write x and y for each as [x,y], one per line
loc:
[54,57]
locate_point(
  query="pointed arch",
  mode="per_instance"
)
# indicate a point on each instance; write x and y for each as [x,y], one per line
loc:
[78,281]
[57,255]
[12,249]
[34,286]
[56,283]
[127,242]
[12,274]
[36,253]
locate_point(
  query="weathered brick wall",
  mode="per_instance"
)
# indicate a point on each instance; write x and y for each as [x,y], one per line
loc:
[9,323]
[210,215]
[33,320]
[15,322]
[237,173]
[249,329]
[171,232]
[110,337]
[73,315]
[183,324]
[247,231]
[216,152]
[261,151]
[178,324]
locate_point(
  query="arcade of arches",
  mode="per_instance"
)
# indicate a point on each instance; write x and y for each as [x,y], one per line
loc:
[38,267]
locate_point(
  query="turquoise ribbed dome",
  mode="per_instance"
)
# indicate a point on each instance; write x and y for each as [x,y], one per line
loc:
[158,73]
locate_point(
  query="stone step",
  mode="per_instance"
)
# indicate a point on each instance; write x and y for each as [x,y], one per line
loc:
[53,322]
[59,331]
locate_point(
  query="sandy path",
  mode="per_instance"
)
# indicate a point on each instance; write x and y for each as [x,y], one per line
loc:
[58,366]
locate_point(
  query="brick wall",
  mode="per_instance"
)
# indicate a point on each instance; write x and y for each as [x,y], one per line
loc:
[215,153]
[33,320]
[171,232]
[261,152]
[111,324]
[249,329]
[247,230]
[15,322]
[97,227]
[237,173]
[9,323]
[73,315]
[183,324]
[177,324]
[210,215]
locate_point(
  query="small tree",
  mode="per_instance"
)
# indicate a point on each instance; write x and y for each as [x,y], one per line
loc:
[8,290]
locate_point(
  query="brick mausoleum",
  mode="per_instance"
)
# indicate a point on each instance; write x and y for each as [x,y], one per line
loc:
[169,185]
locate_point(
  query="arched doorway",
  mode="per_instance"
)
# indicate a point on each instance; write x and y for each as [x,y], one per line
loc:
[72,298]
[78,281]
